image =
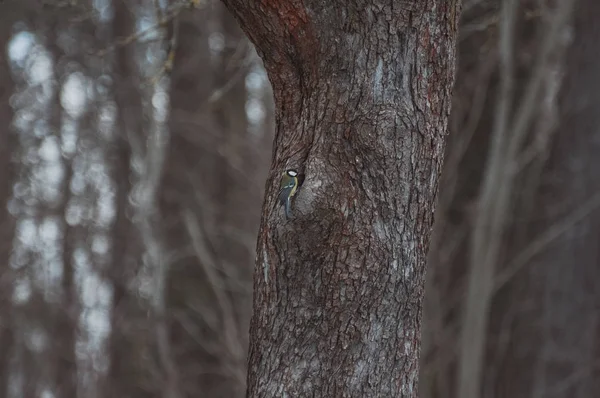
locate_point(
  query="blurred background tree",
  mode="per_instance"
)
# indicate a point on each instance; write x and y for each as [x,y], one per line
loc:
[512,300]
[131,189]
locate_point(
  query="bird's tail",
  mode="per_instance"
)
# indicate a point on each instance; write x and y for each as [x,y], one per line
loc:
[288,209]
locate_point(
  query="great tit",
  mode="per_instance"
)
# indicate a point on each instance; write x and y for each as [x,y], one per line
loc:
[287,189]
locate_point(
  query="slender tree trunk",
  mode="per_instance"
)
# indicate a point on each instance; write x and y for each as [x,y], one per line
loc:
[362,93]
[130,338]
[541,340]
[210,204]
[188,164]
[566,269]
[7,221]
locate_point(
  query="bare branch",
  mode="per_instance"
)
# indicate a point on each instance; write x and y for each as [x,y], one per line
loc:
[209,264]
[164,19]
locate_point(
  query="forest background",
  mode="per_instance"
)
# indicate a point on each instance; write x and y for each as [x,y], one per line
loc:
[138,140]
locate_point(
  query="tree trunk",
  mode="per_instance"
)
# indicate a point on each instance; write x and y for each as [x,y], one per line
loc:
[131,332]
[362,94]
[7,220]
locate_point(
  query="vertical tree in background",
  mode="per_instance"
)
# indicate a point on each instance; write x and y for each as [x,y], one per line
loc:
[564,254]
[7,148]
[362,93]
[130,271]
[540,321]
[43,296]
[210,200]
[130,337]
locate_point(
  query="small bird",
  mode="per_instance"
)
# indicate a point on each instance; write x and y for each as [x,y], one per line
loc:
[287,189]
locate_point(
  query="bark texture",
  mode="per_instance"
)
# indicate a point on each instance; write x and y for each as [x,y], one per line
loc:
[362,92]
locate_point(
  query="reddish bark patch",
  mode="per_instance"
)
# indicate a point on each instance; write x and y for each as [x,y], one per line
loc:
[294,22]
[291,13]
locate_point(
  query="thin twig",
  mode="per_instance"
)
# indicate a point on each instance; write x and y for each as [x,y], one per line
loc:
[167,65]
[166,17]
[208,262]
[545,239]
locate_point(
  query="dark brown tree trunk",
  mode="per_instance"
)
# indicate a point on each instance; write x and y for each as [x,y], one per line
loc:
[362,93]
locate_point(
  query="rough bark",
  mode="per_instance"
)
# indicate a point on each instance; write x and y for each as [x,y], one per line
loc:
[362,92]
